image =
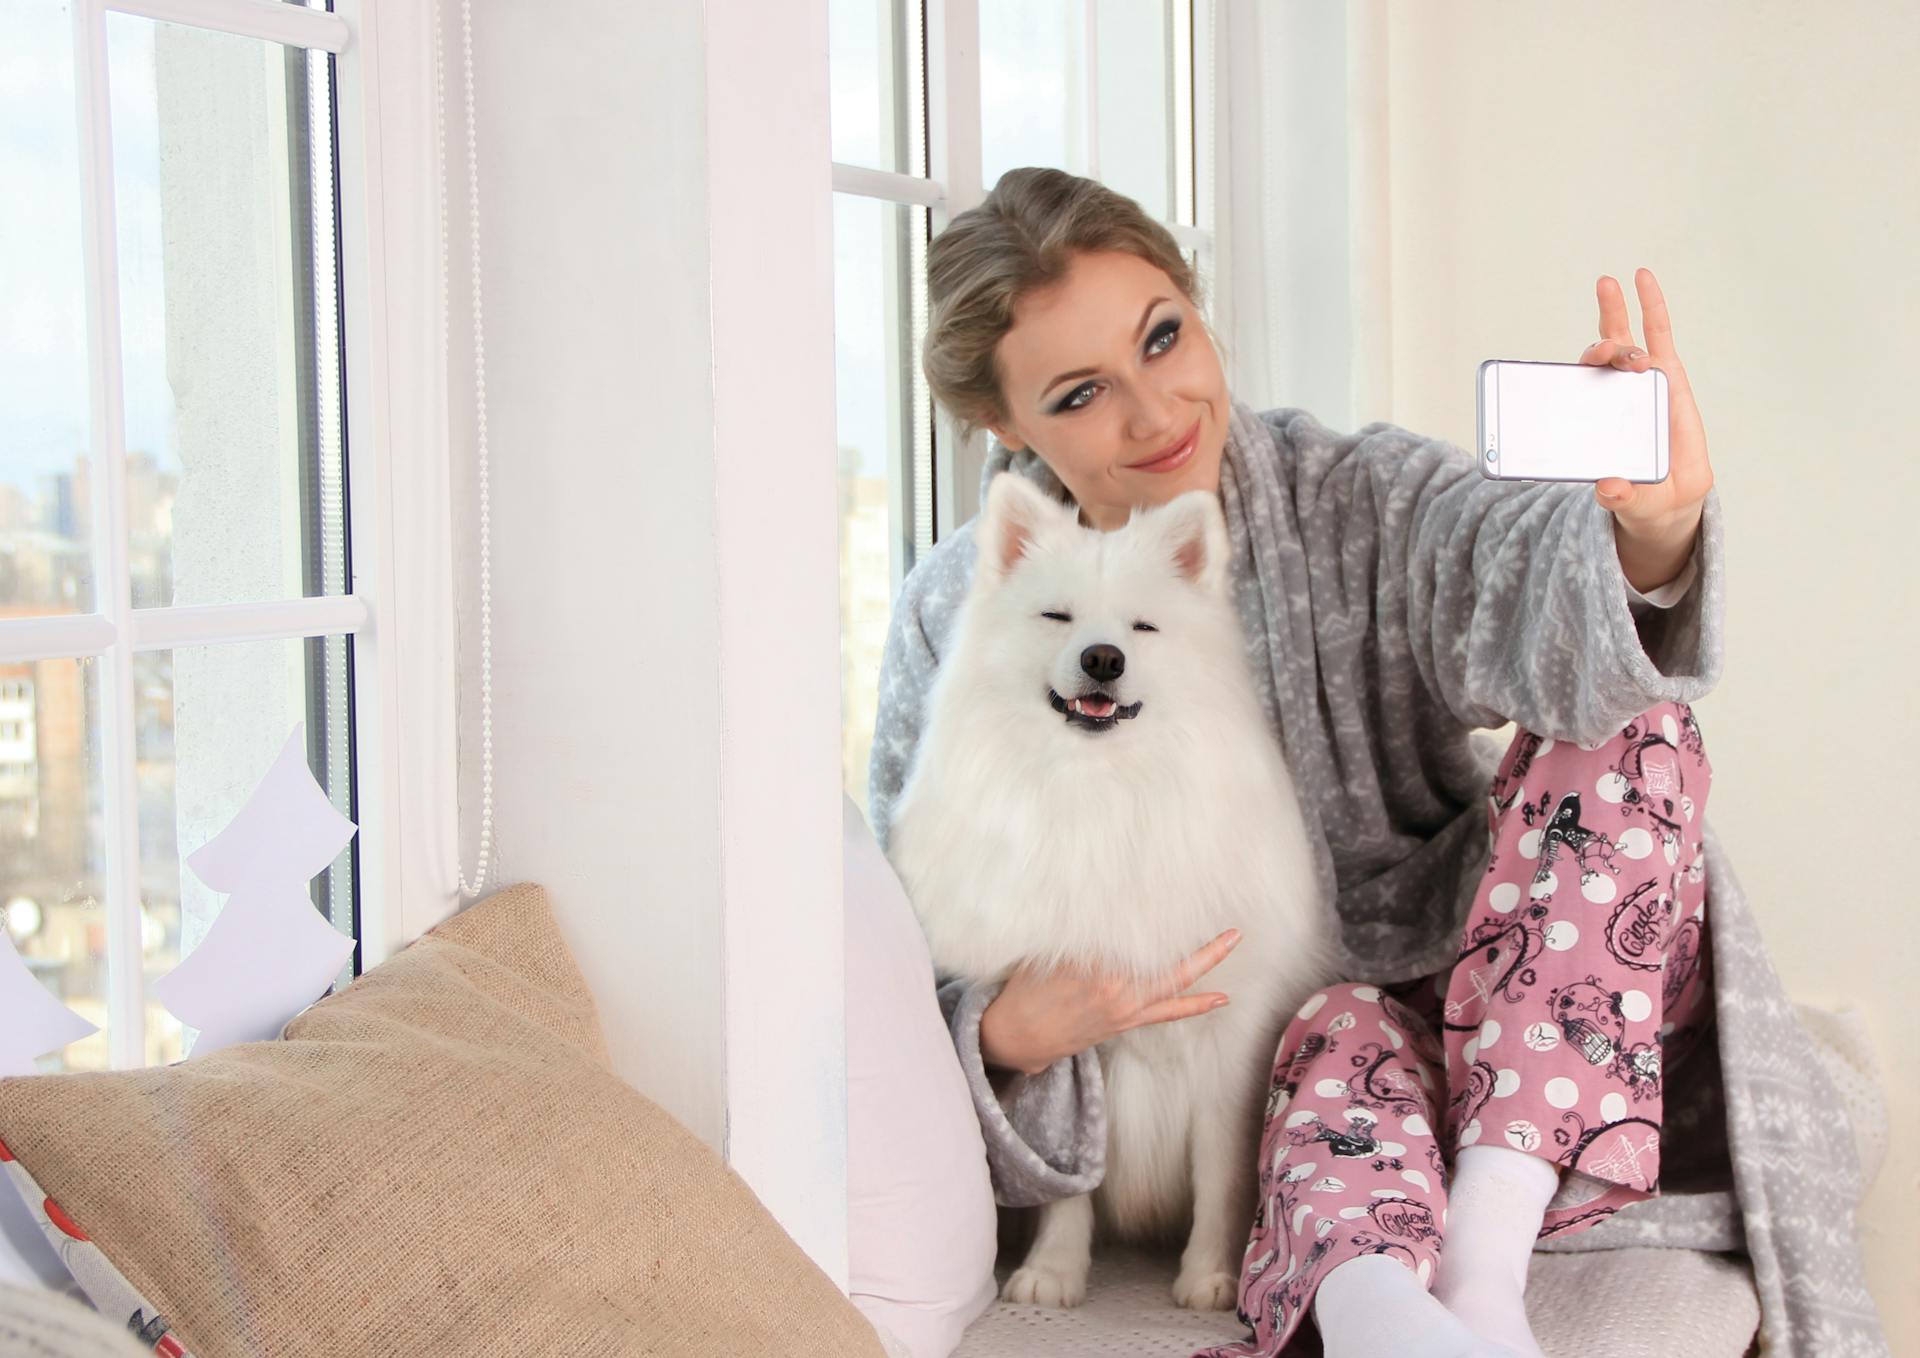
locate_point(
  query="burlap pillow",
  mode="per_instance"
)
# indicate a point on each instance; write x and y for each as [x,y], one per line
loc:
[436,1160]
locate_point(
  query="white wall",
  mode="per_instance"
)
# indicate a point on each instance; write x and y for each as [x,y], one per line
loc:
[659,352]
[600,421]
[1759,158]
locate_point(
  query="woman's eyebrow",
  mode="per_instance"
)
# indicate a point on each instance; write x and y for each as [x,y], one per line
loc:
[1089,372]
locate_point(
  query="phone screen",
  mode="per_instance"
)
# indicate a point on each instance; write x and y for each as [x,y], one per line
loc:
[1574,421]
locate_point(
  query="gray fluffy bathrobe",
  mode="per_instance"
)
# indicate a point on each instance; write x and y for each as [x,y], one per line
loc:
[1394,601]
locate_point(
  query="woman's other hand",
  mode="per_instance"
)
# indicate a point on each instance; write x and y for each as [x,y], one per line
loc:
[1041,1016]
[1654,524]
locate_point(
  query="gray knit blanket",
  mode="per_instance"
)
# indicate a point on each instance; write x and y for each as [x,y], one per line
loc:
[1396,603]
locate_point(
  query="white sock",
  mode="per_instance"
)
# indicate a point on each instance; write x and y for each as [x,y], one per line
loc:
[1374,1307]
[1495,1204]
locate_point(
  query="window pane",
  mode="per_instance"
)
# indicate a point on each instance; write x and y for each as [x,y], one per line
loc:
[210,720]
[1188,99]
[1136,102]
[1033,98]
[224,182]
[51,840]
[879,84]
[44,420]
[886,446]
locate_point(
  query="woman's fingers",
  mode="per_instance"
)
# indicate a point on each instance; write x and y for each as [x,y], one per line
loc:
[1193,967]
[1179,1007]
[1654,321]
[1613,310]
[1172,1004]
[1614,492]
[1624,355]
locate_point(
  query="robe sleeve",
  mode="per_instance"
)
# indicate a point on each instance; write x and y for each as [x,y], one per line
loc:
[1045,1134]
[1508,597]
[1669,594]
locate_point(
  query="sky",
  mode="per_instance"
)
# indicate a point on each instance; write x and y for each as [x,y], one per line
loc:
[43,338]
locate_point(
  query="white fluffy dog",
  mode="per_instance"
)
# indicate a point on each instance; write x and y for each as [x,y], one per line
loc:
[1097,784]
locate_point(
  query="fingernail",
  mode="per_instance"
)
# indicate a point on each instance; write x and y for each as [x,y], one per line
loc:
[1633,353]
[1217,1003]
[1233,937]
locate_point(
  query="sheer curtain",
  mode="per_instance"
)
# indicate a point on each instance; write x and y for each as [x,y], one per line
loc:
[1302,286]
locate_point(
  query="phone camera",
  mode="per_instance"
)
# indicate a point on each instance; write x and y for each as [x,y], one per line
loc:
[1490,452]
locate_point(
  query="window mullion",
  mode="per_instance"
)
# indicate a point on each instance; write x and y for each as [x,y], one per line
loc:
[953,104]
[120,802]
[1202,27]
[1091,68]
[954,161]
[292,25]
[60,636]
[1202,50]
[168,629]
[887,186]
[1185,111]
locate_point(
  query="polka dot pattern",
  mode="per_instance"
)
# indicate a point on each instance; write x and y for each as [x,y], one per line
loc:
[1548,1036]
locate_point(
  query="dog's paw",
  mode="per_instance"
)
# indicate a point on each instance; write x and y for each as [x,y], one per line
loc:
[1039,1285]
[1205,1290]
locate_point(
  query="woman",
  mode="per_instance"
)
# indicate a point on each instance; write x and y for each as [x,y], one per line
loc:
[1529,967]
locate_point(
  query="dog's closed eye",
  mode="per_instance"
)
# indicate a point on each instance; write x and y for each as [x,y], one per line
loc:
[1058,617]
[1145,627]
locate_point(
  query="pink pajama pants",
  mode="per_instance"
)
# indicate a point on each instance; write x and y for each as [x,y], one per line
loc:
[1582,978]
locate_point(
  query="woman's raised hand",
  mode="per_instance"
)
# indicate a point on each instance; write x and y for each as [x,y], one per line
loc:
[1654,523]
[1041,1016]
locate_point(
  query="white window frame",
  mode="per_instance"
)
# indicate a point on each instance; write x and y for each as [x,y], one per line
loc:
[395,405]
[954,174]
[778,550]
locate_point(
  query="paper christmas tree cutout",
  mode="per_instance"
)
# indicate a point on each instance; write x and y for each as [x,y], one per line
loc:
[32,1021]
[269,953]
[287,831]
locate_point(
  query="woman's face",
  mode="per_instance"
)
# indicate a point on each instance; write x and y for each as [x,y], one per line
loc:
[1105,374]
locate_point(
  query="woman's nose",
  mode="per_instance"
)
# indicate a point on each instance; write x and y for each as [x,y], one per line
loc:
[1156,415]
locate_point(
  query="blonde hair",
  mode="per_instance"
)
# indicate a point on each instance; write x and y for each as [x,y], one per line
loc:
[1023,236]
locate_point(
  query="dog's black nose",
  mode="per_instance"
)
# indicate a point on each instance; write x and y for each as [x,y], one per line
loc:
[1103,663]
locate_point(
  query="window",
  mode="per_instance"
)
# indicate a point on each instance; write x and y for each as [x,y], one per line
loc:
[922,127]
[177,586]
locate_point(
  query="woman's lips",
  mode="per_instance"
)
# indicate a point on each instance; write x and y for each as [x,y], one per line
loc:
[1175,459]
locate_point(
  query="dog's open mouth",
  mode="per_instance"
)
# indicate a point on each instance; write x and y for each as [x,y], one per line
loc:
[1095,711]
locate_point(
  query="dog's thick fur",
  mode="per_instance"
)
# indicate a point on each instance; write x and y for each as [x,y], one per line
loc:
[1025,832]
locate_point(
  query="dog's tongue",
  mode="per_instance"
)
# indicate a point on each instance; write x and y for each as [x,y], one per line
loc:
[1097,707]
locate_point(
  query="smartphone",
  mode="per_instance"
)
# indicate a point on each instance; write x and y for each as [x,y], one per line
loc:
[1571,422]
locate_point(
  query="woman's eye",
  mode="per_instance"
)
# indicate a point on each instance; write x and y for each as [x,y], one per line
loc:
[1145,627]
[1165,331]
[1058,617]
[1071,403]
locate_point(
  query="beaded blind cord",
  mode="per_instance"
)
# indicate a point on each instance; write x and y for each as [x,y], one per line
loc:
[480,404]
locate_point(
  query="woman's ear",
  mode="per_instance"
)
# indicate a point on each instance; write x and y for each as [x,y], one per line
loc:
[1192,530]
[1018,515]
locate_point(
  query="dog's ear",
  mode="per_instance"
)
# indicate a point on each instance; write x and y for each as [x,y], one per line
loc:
[1018,514]
[1192,529]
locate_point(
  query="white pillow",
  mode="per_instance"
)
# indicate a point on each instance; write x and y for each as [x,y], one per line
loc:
[26,1259]
[921,1229]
